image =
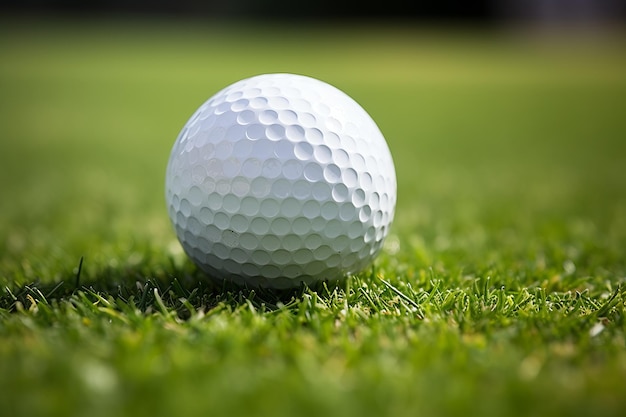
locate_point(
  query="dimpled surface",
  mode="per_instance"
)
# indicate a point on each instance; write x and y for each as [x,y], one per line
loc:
[279,180]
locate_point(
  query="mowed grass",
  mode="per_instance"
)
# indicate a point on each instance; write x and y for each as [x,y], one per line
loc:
[500,290]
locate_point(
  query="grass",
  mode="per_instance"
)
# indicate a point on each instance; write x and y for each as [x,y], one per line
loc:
[500,290]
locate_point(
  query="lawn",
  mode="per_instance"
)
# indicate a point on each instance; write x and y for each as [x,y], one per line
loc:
[500,290]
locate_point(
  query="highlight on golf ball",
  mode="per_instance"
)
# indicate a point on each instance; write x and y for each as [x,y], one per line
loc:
[281,180]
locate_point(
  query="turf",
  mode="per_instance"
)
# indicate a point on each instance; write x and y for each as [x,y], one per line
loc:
[500,290]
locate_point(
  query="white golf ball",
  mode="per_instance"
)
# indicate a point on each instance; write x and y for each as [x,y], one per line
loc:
[279,180]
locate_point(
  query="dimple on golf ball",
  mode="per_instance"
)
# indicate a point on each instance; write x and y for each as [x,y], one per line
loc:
[281,180]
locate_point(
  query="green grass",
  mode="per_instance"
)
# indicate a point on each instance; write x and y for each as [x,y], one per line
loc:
[500,290]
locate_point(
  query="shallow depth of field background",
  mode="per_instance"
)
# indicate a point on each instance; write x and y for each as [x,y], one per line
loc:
[509,138]
[508,123]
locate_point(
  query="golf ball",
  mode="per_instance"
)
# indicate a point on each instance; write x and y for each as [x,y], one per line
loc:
[281,180]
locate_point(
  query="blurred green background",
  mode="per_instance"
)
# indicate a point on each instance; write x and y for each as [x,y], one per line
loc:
[498,130]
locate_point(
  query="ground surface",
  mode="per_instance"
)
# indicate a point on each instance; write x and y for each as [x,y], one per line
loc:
[500,290]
